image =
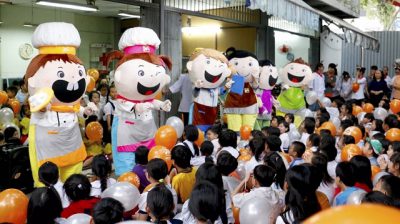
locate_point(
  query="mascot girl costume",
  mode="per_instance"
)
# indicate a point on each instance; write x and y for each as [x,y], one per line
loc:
[56,81]
[242,109]
[208,69]
[294,76]
[139,76]
[266,82]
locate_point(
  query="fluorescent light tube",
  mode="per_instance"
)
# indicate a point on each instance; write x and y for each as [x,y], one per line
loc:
[128,14]
[68,5]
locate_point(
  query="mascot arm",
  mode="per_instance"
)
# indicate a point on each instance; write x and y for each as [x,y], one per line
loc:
[162,105]
[276,103]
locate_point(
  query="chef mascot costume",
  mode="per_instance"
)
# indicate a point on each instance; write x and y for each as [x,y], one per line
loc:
[266,82]
[139,77]
[56,82]
[242,109]
[295,76]
[208,69]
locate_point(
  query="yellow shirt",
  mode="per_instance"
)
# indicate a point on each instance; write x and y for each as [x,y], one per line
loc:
[25,125]
[183,184]
[93,148]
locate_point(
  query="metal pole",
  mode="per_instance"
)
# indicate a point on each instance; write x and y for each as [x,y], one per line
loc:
[362,57]
[162,16]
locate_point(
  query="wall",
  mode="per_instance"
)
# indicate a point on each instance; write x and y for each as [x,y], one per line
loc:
[299,45]
[92,29]
[331,49]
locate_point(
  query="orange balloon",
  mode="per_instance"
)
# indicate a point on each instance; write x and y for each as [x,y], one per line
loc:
[329,126]
[357,110]
[355,132]
[130,177]
[363,213]
[355,87]
[235,175]
[93,73]
[160,152]
[286,156]
[395,106]
[94,131]
[349,151]
[166,136]
[244,157]
[158,96]
[15,105]
[369,108]
[92,84]
[393,134]
[225,119]
[13,206]
[375,170]
[3,97]
[236,212]
[245,132]
[200,139]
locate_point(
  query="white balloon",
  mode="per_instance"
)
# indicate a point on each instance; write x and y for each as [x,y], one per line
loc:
[311,97]
[306,113]
[256,211]
[177,124]
[356,197]
[326,102]
[6,115]
[336,122]
[79,218]
[294,136]
[10,124]
[241,169]
[380,113]
[124,192]
[360,116]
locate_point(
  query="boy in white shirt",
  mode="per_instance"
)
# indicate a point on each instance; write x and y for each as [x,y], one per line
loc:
[317,84]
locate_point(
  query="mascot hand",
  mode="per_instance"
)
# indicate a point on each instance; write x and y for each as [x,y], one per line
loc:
[143,107]
[259,102]
[90,109]
[229,83]
[277,104]
[285,87]
[166,106]
[199,84]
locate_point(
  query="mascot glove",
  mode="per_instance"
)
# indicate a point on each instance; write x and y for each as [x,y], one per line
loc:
[162,105]
[199,84]
[285,87]
[90,109]
[259,102]
[229,83]
[143,107]
[277,104]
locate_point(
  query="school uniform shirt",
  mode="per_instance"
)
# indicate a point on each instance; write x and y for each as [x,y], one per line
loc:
[197,161]
[234,152]
[285,141]
[108,109]
[317,84]
[359,95]
[328,190]
[82,206]
[143,199]
[374,161]
[216,145]
[96,186]
[183,184]
[288,216]
[251,164]
[187,218]
[332,168]
[346,89]
[61,192]
[189,144]
[184,86]
[295,162]
[341,198]
[304,137]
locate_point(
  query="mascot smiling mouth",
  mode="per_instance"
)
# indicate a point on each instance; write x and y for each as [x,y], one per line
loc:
[272,80]
[68,92]
[147,90]
[295,79]
[212,78]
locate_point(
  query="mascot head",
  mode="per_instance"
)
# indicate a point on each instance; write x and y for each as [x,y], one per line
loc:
[296,73]
[208,65]
[140,73]
[57,66]
[244,62]
[268,75]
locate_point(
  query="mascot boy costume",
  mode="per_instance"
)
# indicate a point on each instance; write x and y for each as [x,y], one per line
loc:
[208,69]
[139,76]
[56,81]
[242,109]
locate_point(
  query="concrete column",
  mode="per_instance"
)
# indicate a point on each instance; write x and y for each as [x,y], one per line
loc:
[265,42]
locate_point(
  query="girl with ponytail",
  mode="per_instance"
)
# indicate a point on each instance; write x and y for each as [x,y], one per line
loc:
[101,168]
[160,204]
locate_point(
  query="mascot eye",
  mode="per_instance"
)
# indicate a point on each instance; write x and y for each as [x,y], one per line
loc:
[291,67]
[80,73]
[236,63]
[208,62]
[270,70]
[60,74]
[250,64]
[141,73]
[303,70]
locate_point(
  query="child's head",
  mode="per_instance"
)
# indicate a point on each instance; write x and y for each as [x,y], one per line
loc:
[44,206]
[327,147]
[141,155]
[390,121]
[344,125]
[181,156]
[337,103]
[309,125]
[389,185]
[213,132]
[320,161]
[77,187]
[107,211]
[377,197]
[313,140]
[264,176]
[393,147]
[362,170]
[348,139]
[322,119]
[191,133]
[101,168]
[275,121]
[156,170]
[372,148]
[368,118]
[345,174]
[394,164]
[228,138]
[94,97]
[283,127]
[256,134]
[377,125]
[48,174]
[273,143]
[26,111]
[269,131]
[275,161]
[160,203]
[257,146]
[289,118]
[103,89]
[112,93]
[346,109]
[206,148]
[11,92]
[226,163]
[10,133]
[297,149]
[206,202]
[209,172]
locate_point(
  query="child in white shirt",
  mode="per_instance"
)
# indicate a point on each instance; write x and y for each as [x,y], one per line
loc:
[284,129]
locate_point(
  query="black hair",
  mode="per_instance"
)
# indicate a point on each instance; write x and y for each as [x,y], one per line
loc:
[275,161]
[324,118]
[299,148]
[386,105]
[181,156]
[286,125]
[385,145]
[369,116]
[327,147]
[391,184]
[345,73]
[191,133]
[206,148]
[101,167]
[265,175]
[226,163]
[91,118]
[108,211]
[272,131]
[280,119]
[257,134]
[233,53]
[44,206]
[290,116]
[9,133]
[301,198]
[265,62]
[320,161]
[216,129]
[346,123]
[391,121]
[273,142]
[48,174]
[374,67]
[362,70]
[12,89]
[157,169]
[377,197]
[362,129]
[108,92]
[77,187]
[309,124]
[395,146]
[349,107]
[379,125]
[257,146]
[339,102]
[160,202]
[319,64]
[315,139]
[1,136]
[228,138]
[92,93]
[206,202]
[345,172]
[362,170]
[395,159]
[324,132]
[348,139]
[141,155]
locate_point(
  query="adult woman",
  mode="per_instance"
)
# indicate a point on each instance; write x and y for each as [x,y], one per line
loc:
[377,88]
[345,86]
